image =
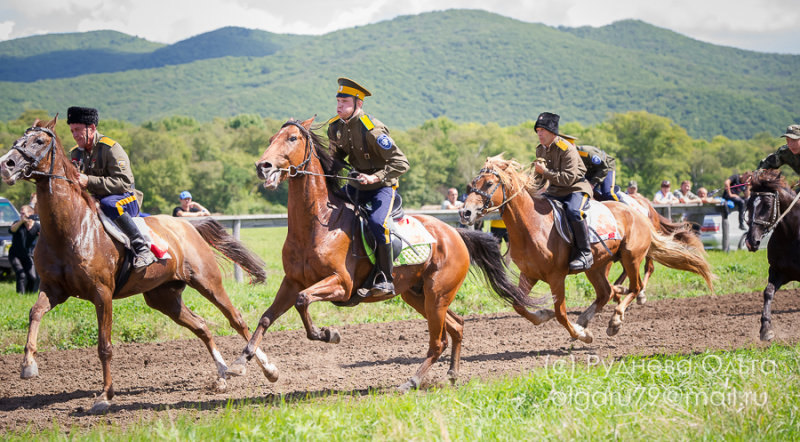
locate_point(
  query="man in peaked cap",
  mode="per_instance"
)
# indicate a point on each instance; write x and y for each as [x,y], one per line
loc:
[377,163]
[601,172]
[558,162]
[105,172]
[789,153]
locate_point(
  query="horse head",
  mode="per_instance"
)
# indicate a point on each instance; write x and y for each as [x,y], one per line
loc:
[289,150]
[496,183]
[768,198]
[31,154]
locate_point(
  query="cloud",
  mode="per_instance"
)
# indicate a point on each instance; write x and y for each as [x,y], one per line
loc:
[6,27]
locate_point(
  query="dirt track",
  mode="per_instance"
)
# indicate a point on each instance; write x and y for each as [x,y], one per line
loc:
[149,378]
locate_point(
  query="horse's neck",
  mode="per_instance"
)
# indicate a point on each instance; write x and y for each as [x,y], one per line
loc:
[309,199]
[63,211]
[521,217]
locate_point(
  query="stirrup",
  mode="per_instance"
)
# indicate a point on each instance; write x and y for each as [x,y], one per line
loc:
[582,262]
[381,289]
[144,259]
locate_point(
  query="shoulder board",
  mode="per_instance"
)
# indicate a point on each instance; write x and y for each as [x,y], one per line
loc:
[367,122]
[563,144]
[107,141]
[583,153]
[73,148]
[333,120]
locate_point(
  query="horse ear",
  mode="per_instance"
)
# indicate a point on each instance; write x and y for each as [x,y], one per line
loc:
[36,123]
[52,123]
[307,123]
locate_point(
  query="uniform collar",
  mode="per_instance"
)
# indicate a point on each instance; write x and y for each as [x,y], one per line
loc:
[356,115]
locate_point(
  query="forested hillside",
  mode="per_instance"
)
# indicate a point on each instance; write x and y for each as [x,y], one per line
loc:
[214,160]
[468,66]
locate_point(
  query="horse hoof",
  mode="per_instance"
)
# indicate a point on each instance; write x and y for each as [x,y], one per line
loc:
[767,335]
[334,337]
[271,372]
[612,330]
[452,376]
[236,369]
[220,385]
[30,371]
[641,298]
[406,387]
[587,338]
[100,407]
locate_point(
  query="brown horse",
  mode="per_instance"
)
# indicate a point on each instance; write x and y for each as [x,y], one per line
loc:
[76,257]
[541,254]
[324,260]
[771,206]
[681,231]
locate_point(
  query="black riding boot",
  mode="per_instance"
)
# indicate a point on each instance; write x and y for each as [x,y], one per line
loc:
[383,284]
[583,257]
[144,257]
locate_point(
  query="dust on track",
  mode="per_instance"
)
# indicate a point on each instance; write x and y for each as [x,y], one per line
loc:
[168,377]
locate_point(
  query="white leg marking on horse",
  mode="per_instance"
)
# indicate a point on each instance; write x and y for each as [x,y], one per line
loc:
[221,366]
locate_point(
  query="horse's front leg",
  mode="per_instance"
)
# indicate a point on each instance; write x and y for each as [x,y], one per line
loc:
[104,315]
[284,299]
[47,301]
[773,285]
[538,317]
[331,288]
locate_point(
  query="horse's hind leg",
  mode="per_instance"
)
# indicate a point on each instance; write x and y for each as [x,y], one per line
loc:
[775,282]
[602,289]
[212,289]
[47,300]
[168,300]
[575,330]
[649,267]
[538,317]
[634,287]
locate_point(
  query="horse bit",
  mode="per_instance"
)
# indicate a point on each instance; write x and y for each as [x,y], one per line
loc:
[30,169]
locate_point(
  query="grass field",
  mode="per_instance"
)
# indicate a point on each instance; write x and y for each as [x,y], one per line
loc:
[742,395]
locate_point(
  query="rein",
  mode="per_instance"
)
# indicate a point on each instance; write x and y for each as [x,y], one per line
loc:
[30,170]
[487,196]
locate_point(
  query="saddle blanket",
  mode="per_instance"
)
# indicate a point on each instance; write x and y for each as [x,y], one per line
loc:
[601,222]
[631,201]
[158,245]
[410,230]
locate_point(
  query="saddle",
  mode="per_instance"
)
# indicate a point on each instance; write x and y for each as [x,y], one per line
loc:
[601,222]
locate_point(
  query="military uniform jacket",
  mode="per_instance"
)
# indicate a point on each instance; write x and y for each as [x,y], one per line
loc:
[365,142]
[779,158]
[107,167]
[597,164]
[565,170]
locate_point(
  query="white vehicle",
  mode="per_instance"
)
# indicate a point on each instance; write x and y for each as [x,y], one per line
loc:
[711,232]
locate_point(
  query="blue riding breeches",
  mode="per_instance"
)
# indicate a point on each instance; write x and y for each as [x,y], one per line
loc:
[115,205]
[607,190]
[379,204]
[574,205]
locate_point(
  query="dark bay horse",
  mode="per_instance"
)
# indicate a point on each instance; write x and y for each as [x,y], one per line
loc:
[541,254]
[324,260]
[770,207]
[75,256]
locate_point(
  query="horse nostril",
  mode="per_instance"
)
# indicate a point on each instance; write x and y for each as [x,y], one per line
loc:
[10,164]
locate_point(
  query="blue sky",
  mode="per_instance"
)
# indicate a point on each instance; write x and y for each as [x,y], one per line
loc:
[760,25]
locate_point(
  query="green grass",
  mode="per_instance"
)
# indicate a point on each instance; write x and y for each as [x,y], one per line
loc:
[741,395]
[73,324]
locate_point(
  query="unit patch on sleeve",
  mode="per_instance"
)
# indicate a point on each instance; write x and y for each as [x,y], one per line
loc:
[385,141]
[595,159]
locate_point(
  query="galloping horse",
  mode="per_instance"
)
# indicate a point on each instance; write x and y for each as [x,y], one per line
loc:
[324,260]
[76,257]
[541,253]
[770,207]
[681,231]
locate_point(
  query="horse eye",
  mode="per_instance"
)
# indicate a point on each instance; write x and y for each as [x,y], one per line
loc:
[293,138]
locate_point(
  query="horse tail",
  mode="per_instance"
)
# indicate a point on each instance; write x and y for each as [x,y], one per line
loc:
[668,251]
[216,236]
[484,251]
[681,231]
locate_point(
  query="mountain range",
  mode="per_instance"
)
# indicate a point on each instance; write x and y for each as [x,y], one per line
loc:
[467,65]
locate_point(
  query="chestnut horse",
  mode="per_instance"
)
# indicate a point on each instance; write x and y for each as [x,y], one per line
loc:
[75,256]
[541,254]
[324,259]
[681,231]
[772,205]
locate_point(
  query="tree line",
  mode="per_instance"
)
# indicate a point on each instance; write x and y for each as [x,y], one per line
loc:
[215,160]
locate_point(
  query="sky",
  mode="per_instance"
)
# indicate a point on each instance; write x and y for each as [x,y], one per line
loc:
[759,25]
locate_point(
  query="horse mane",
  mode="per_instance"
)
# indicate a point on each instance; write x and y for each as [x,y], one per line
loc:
[512,174]
[769,180]
[70,171]
[331,165]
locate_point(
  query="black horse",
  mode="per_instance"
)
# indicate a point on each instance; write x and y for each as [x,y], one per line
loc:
[772,206]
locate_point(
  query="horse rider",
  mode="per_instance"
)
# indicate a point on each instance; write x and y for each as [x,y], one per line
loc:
[377,163]
[601,173]
[559,163]
[789,153]
[105,172]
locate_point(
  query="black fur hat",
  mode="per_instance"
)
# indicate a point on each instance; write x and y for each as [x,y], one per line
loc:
[82,115]
[547,121]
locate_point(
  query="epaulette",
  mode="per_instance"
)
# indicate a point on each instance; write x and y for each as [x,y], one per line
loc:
[73,148]
[332,120]
[563,144]
[367,122]
[107,141]
[583,153]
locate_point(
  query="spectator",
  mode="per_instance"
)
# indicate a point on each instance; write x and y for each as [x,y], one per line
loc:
[452,202]
[685,195]
[189,207]
[735,190]
[664,196]
[702,193]
[24,233]
[633,187]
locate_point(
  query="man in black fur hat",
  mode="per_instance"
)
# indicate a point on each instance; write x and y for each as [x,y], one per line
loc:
[558,162]
[106,174]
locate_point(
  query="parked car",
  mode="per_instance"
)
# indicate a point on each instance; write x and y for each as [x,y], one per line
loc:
[8,216]
[711,232]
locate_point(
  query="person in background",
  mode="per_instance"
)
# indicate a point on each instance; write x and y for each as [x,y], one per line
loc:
[702,193]
[664,196]
[24,233]
[736,191]
[452,202]
[685,195]
[633,188]
[498,229]
[189,207]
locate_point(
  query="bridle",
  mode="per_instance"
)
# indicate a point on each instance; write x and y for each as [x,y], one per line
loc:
[33,161]
[299,169]
[487,196]
[774,219]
